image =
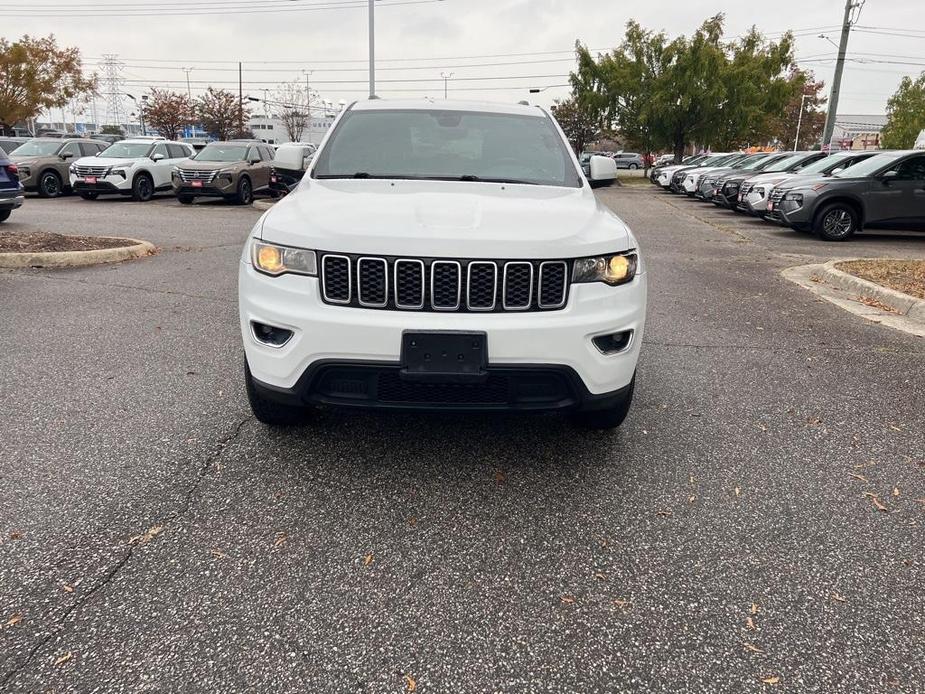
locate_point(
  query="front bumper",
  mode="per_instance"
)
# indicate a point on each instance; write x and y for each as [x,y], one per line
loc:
[792,213]
[323,333]
[208,190]
[103,184]
[756,204]
[11,199]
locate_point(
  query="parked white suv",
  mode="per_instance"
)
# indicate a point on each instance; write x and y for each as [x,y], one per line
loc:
[443,257]
[138,167]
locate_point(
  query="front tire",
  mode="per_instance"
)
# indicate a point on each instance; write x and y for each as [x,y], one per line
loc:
[5,215]
[50,185]
[836,222]
[269,411]
[142,188]
[634,166]
[245,194]
[609,418]
[89,195]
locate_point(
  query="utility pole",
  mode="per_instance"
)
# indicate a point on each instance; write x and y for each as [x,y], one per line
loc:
[847,22]
[189,91]
[446,78]
[796,140]
[372,49]
[308,93]
[240,98]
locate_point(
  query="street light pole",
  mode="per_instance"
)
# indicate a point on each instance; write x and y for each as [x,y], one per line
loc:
[372,49]
[446,78]
[796,140]
[189,91]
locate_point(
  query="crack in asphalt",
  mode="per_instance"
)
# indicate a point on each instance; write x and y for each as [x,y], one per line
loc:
[58,627]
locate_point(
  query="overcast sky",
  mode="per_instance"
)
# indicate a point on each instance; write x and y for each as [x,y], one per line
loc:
[419,39]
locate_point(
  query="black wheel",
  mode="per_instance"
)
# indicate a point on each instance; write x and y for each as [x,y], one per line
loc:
[49,185]
[634,166]
[142,188]
[185,199]
[245,194]
[836,222]
[89,195]
[610,418]
[269,411]
[5,215]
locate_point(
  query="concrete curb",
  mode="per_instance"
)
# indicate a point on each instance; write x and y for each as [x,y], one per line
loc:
[815,279]
[138,249]
[263,205]
[903,304]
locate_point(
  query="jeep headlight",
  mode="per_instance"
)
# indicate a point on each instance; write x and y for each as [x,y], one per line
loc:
[274,259]
[611,269]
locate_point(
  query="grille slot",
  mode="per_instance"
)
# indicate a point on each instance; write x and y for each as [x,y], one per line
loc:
[553,284]
[482,289]
[335,279]
[494,391]
[517,289]
[91,170]
[446,285]
[409,283]
[187,175]
[373,282]
[777,195]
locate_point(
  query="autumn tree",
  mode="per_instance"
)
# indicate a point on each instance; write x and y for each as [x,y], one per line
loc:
[293,106]
[35,74]
[805,112]
[578,123]
[168,112]
[220,113]
[905,114]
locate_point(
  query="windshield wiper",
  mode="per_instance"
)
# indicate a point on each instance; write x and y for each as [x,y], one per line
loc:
[479,179]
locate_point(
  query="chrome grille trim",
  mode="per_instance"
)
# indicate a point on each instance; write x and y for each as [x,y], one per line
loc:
[523,307]
[187,175]
[459,276]
[494,296]
[565,283]
[385,275]
[419,263]
[91,170]
[324,283]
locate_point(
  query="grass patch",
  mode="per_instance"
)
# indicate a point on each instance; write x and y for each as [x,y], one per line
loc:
[906,276]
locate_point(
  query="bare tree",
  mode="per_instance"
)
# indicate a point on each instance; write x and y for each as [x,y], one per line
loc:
[293,104]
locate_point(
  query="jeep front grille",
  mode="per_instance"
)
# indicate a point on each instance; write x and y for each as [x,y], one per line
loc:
[427,284]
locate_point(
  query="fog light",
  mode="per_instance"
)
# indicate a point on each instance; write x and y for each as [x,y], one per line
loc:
[613,343]
[270,335]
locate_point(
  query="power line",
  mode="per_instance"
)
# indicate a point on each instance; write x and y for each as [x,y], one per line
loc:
[194,11]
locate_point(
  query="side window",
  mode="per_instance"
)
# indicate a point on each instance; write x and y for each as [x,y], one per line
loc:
[72,148]
[87,149]
[160,149]
[268,154]
[176,151]
[252,154]
[912,169]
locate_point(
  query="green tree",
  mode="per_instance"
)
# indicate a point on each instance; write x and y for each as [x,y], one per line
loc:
[35,74]
[905,114]
[784,126]
[578,124]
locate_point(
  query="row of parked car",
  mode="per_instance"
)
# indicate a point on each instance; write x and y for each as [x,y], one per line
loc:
[831,195]
[236,170]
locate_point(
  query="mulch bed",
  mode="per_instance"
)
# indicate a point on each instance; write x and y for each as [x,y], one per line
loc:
[906,276]
[41,242]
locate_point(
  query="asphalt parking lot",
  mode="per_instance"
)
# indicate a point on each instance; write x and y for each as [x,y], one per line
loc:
[729,537]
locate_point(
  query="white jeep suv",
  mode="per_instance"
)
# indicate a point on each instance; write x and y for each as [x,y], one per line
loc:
[445,256]
[138,167]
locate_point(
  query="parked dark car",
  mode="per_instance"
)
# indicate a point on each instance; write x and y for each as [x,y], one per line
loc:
[727,187]
[708,182]
[686,161]
[679,179]
[886,190]
[753,195]
[11,193]
[832,164]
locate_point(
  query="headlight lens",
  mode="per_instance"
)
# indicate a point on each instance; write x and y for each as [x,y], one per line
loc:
[795,197]
[272,259]
[760,191]
[611,269]
[72,168]
[117,172]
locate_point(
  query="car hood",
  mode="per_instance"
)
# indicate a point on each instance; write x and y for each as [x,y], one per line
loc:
[193,165]
[446,219]
[771,178]
[105,161]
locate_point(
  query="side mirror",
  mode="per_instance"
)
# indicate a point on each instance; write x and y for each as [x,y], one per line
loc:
[67,155]
[602,169]
[888,176]
[253,161]
[157,157]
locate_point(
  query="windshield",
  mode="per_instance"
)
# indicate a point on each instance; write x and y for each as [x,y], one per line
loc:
[447,145]
[825,164]
[222,153]
[125,150]
[751,163]
[768,162]
[869,166]
[784,164]
[37,148]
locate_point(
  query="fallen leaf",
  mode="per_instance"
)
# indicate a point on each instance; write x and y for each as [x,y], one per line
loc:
[410,684]
[876,501]
[692,479]
[412,521]
[147,535]
[692,498]
[567,600]
[499,477]
[663,513]
[367,560]
[752,647]
[813,421]
[14,620]
[755,608]
[67,588]
[218,554]
[750,623]
[737,491]
[603,542]
[839,598]
[16,535]
[600,577]
[280,540]
[859,477]
[895,491]
[771,680]
[62,659]
[895,428]
[621,603]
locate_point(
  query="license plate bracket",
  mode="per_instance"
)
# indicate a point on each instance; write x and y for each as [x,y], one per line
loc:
[196,184]
[90,180]
[444,356]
